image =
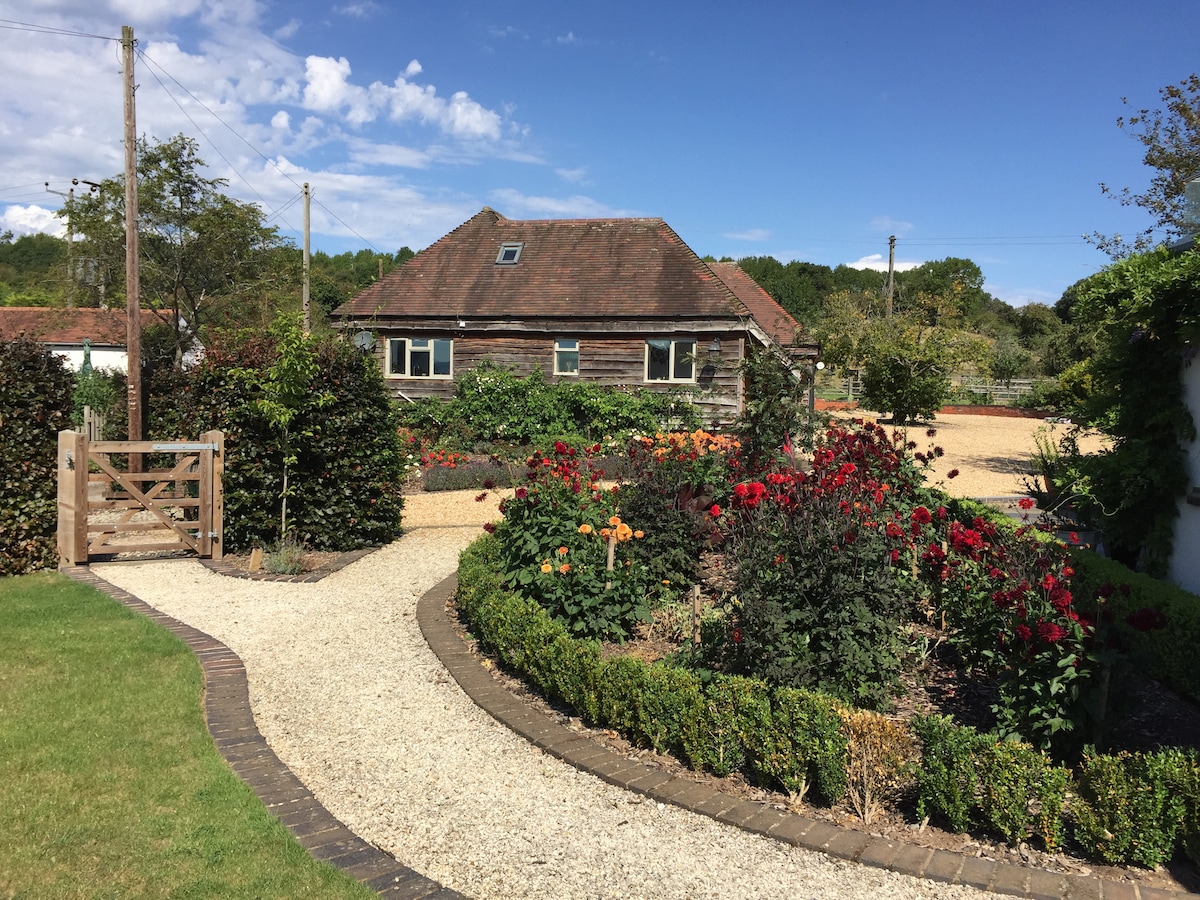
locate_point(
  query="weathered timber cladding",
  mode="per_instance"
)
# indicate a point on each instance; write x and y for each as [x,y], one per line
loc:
[617,360]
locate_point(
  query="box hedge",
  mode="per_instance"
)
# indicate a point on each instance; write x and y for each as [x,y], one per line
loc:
[1126,809]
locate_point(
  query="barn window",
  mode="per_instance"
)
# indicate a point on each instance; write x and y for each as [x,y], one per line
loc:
[566,356]
[420,357]
[670,360]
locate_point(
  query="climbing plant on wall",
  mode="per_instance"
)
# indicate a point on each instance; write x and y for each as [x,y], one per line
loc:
[1145,311]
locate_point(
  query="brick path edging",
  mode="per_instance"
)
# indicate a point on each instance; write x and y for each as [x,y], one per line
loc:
[231,724]
[586,755]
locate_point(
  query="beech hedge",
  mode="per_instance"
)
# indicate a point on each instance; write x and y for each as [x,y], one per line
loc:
[345,482]
[35,404]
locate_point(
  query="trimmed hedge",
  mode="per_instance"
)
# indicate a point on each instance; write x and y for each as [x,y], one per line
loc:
[345,482]
[1168,653]
[35,404]
[1127,808]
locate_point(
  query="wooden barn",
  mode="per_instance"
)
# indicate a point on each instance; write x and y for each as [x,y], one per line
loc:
[622,302]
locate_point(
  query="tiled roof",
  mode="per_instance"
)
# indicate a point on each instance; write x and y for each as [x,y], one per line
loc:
[772,317]
[568,268]
[52,325]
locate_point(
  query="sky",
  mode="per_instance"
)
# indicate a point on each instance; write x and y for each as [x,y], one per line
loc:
[800,130]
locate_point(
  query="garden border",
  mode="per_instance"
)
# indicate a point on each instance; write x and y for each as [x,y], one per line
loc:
[758,817]
[230,721]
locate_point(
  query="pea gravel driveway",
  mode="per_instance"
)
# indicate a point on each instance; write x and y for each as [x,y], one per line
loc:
[349,696]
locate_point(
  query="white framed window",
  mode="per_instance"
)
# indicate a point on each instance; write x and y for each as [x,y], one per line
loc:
[670,359]
[510,252]
[420,357]
[566,356]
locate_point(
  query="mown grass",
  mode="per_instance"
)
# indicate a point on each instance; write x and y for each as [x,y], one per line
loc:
[110,785]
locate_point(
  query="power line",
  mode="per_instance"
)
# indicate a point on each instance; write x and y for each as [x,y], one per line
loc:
[245,141]
[10,25]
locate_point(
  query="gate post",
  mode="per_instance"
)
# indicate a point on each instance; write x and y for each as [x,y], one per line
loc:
[216,524]
[72,499]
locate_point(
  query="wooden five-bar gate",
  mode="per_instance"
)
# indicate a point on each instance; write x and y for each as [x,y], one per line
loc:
[107,505]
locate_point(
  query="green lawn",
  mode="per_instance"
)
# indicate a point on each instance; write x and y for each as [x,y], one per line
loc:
[110,785]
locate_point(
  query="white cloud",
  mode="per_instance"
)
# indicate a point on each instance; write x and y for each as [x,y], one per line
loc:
[281,120]
[507,31]
[568,38]
[371,154]
[287,31]
[516,205]
[362,10]
[329,90]
[413,69]
[30,220]
[574,176]
[878,263]
[752,234]
[891,226]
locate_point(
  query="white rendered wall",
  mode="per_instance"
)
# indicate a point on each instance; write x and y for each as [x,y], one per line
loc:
[1185,556]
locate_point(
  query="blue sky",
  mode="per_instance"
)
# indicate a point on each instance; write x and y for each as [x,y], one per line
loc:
[807,131]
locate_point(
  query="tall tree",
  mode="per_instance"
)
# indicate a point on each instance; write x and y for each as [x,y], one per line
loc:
[1171,136]
[206,257]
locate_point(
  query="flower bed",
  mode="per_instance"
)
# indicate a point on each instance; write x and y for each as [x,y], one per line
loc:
[833,561]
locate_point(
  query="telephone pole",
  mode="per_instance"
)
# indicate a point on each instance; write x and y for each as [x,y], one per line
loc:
[891,282]
[307,261]
[132,278]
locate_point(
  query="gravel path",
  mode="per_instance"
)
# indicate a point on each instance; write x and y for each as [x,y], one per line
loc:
[349,696]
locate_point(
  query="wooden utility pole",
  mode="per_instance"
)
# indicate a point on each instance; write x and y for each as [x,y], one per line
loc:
[891,282]
[132,278]
[305,304]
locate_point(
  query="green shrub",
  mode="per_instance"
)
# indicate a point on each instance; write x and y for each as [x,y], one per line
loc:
[947,779]
[809,745]
[1128,807]
[1168,652]
[345,481]
[1021,792]
[35,404]
[1186,784]
[492,404]
[469,476]
[1128,811]
[96,389]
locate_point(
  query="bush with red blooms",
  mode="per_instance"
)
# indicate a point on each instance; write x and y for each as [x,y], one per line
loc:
[820,563]
[1007,598]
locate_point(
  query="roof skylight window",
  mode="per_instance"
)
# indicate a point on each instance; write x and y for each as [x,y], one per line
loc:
[509,253]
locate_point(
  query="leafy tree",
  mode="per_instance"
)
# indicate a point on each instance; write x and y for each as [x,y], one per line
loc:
[797,286]
[288,397]
[335,279]
[1145,314]
[31,269]
[1171,136]
[907,366]
[209,259]
[1037,324]
[1009,360]
[951,277]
